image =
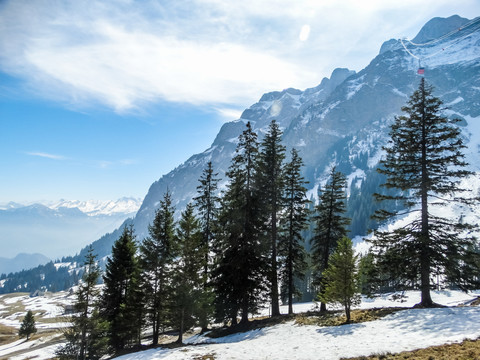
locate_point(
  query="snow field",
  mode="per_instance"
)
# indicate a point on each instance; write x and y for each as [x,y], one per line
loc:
[405,330]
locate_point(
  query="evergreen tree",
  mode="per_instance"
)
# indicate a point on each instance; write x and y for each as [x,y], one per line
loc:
[424,163]
[293,222]
[207,206]
[83,337]
[271,182]
[341,277]
[207,203]
[240,261]
[27,327]
[188,290]
[368,274]
[331,225]
[157,254]
[120,303]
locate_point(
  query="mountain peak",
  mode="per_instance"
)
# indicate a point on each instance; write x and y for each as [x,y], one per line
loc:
[438,27]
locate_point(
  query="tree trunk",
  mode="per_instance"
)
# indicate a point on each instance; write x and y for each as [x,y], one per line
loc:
[426,300]
[274,280]
[244,319]
[290,277]
[180,331]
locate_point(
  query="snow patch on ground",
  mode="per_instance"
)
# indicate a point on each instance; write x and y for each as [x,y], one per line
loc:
[402,331]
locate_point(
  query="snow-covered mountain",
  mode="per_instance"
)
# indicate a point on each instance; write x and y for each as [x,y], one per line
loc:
[345,119]
[124,206]
[66,226]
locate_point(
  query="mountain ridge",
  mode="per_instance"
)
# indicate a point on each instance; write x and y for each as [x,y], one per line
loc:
[349,111]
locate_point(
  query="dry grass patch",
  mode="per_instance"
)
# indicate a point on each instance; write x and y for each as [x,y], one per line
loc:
[204,357]
[60,319]
[12,309]
[336,318]
[330,318]
[7,334]
[466,350]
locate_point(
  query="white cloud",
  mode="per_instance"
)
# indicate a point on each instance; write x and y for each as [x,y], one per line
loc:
[304,33]
[125,54]
[46,155]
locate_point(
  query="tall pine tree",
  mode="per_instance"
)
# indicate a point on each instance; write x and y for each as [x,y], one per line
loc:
[85,338]
[207,203]
[157,254]
[294,221]
[331,225]
[424,163]
[271,183]
[188,289]
[119,304]
[240,261]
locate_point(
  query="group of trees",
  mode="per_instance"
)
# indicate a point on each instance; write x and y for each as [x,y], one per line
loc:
[228,255]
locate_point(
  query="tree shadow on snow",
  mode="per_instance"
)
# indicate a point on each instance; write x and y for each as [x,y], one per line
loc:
[340,330]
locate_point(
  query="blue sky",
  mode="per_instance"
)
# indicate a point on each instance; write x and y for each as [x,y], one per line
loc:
[100,99]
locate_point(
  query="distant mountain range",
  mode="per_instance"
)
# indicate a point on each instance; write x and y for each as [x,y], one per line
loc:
[21,261]
[123,206]
[61,228]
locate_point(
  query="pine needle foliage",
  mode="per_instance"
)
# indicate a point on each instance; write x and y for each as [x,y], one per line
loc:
[271,182]
[157,254]
[341,278]
[294,220]
[207,204]
[424,164]
[27,328]
[120,305]
[240,251]
[331,225]
[86,337]
[188,277]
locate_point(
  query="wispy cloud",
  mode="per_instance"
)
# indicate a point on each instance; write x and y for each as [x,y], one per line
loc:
[125,54]
[107,164]
[46,155]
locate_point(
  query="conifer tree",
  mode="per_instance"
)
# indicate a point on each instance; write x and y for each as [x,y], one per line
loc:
[84,336]
[341,277]
[424,163]
[293,222]
[157,254]
[120,303]
[271,182]
[240,261]
[207,203]
[331,225]
[188,288]
[27,328]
